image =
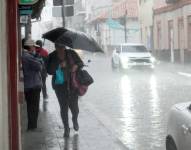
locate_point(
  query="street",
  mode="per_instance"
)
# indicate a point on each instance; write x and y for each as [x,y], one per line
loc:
[122,110]
[134,104]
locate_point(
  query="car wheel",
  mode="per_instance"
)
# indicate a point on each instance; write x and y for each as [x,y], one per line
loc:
[170,144]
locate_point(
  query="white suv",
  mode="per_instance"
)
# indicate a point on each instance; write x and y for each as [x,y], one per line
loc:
[131,55]
[179,127]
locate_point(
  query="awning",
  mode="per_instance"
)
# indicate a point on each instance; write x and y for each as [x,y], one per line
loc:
[114,24]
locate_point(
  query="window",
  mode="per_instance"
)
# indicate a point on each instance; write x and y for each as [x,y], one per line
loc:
[181,33]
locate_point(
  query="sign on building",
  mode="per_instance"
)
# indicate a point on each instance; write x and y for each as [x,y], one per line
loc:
[27,2]
[69,2]
[24,19]
[25,9]
[69,11]
[66,2]
[57,11]
[57,2]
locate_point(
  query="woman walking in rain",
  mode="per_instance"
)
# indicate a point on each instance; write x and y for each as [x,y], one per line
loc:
[60,64]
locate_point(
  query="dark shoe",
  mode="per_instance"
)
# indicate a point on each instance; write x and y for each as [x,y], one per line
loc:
[35,130]
[30,128]
[75,124]
[67,132]
[45,97]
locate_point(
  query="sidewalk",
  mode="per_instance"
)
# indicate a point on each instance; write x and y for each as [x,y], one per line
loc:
[176,67]
[93,135]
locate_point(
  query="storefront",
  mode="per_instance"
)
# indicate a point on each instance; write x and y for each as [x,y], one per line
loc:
[9,73]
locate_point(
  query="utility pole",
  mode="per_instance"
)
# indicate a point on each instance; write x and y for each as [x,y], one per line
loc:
[63,13]
[125,27]
[28,27]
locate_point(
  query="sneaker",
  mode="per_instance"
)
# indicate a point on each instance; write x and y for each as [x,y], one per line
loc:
[67,132]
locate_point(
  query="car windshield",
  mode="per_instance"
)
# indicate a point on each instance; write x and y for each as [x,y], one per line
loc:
[134,49]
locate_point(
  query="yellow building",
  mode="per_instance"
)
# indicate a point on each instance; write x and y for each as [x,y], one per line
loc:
[172,30]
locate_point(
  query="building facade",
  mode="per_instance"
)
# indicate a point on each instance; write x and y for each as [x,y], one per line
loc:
[146,22]
[114,23]
[172,30]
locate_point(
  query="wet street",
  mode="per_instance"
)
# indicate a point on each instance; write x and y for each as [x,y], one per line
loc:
[123,110]
[134,104]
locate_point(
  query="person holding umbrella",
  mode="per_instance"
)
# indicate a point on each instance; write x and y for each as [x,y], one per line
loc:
[64,62]
[32,67]
[60,64]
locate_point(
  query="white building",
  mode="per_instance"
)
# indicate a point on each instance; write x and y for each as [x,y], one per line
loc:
[146,22]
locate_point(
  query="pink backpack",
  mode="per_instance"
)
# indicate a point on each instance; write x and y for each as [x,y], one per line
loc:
[81,89]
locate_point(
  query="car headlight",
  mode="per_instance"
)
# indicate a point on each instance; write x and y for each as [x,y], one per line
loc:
[124,59]
[152,59]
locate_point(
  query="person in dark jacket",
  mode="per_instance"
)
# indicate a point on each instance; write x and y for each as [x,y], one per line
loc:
[60,64]
[32,82]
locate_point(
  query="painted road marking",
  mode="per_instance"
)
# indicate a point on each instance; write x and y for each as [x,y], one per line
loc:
[184,74]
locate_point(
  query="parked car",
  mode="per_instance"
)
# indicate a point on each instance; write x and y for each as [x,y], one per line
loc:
[132,55]
[179,127]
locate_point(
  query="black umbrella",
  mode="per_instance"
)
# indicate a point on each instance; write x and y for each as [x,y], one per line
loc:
[73,39]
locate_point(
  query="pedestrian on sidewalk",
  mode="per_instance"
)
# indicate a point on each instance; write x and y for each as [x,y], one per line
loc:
[43,53]
[31,66]
[60,64]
